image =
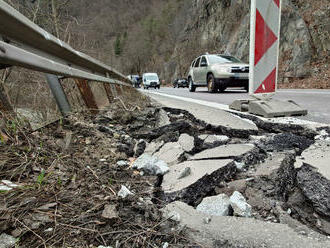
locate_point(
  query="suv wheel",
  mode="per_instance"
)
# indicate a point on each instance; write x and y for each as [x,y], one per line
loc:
[191,86]
[211,87]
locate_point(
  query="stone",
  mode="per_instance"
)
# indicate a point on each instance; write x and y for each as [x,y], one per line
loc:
[101,246]
[170,153]
[124,192]
[187,142]
[225,151]
[186,172]
[239,205]
[122,163]
[218,205]
[163,118]
[7,241]
[110,212]
[165,245]
[203,178]
[150,165]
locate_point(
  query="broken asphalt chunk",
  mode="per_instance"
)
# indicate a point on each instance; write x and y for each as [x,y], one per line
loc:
[204,176]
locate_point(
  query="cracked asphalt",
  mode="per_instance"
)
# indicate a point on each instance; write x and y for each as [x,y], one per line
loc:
[315,101]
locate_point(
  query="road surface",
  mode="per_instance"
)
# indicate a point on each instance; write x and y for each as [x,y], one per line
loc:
[317,102]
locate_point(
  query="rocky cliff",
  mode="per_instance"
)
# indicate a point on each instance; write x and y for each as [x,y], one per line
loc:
[222,26]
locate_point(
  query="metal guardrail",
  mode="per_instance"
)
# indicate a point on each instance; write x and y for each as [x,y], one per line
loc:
[25,44]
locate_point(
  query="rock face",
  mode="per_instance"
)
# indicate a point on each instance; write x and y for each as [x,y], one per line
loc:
[218,205]
[223,26]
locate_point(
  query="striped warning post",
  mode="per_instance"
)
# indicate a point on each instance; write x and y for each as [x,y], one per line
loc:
[264,46]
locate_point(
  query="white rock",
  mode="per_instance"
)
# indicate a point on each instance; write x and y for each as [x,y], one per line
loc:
[124,192]
[165,245]
[163,118]
[7,241]
[187,142]
[150,165]
[239,165]
[239,205]
[218,205]
[101,246]
[122,163]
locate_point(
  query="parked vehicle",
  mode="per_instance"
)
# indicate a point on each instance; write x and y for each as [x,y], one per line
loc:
[180,82]
[136,80]
[217,72]
[150,80]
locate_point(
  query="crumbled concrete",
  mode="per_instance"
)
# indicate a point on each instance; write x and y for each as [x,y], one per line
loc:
[239,205]
[218,205]
[225,151]
[124,192]
[150,165]
[139,148]
[187,142]
[170,153]
[7,241]
[204,177]
[228,231]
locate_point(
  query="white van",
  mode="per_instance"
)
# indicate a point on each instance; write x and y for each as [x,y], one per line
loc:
[150,80]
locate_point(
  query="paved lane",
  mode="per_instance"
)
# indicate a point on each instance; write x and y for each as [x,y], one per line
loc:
[317,102]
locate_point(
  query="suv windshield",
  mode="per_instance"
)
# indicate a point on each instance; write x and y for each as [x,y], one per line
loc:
[219,59]
[151,77]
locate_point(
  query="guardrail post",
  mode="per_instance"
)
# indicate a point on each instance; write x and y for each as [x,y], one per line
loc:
[108,91]
[114,90]
[87,95]
[58,93]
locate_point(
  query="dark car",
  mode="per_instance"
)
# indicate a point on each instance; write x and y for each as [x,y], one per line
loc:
[180,82]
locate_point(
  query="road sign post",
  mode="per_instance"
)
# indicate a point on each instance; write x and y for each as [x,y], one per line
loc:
[265,26]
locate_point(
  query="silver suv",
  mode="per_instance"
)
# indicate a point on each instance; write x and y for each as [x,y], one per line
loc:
[217,72]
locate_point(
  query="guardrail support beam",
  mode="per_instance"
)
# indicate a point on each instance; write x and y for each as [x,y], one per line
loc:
[108,92]
[58,93]
[87,95]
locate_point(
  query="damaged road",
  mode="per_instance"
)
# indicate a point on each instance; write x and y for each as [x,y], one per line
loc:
[161,176]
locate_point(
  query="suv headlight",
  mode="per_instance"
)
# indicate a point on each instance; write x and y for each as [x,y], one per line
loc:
[225,69]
